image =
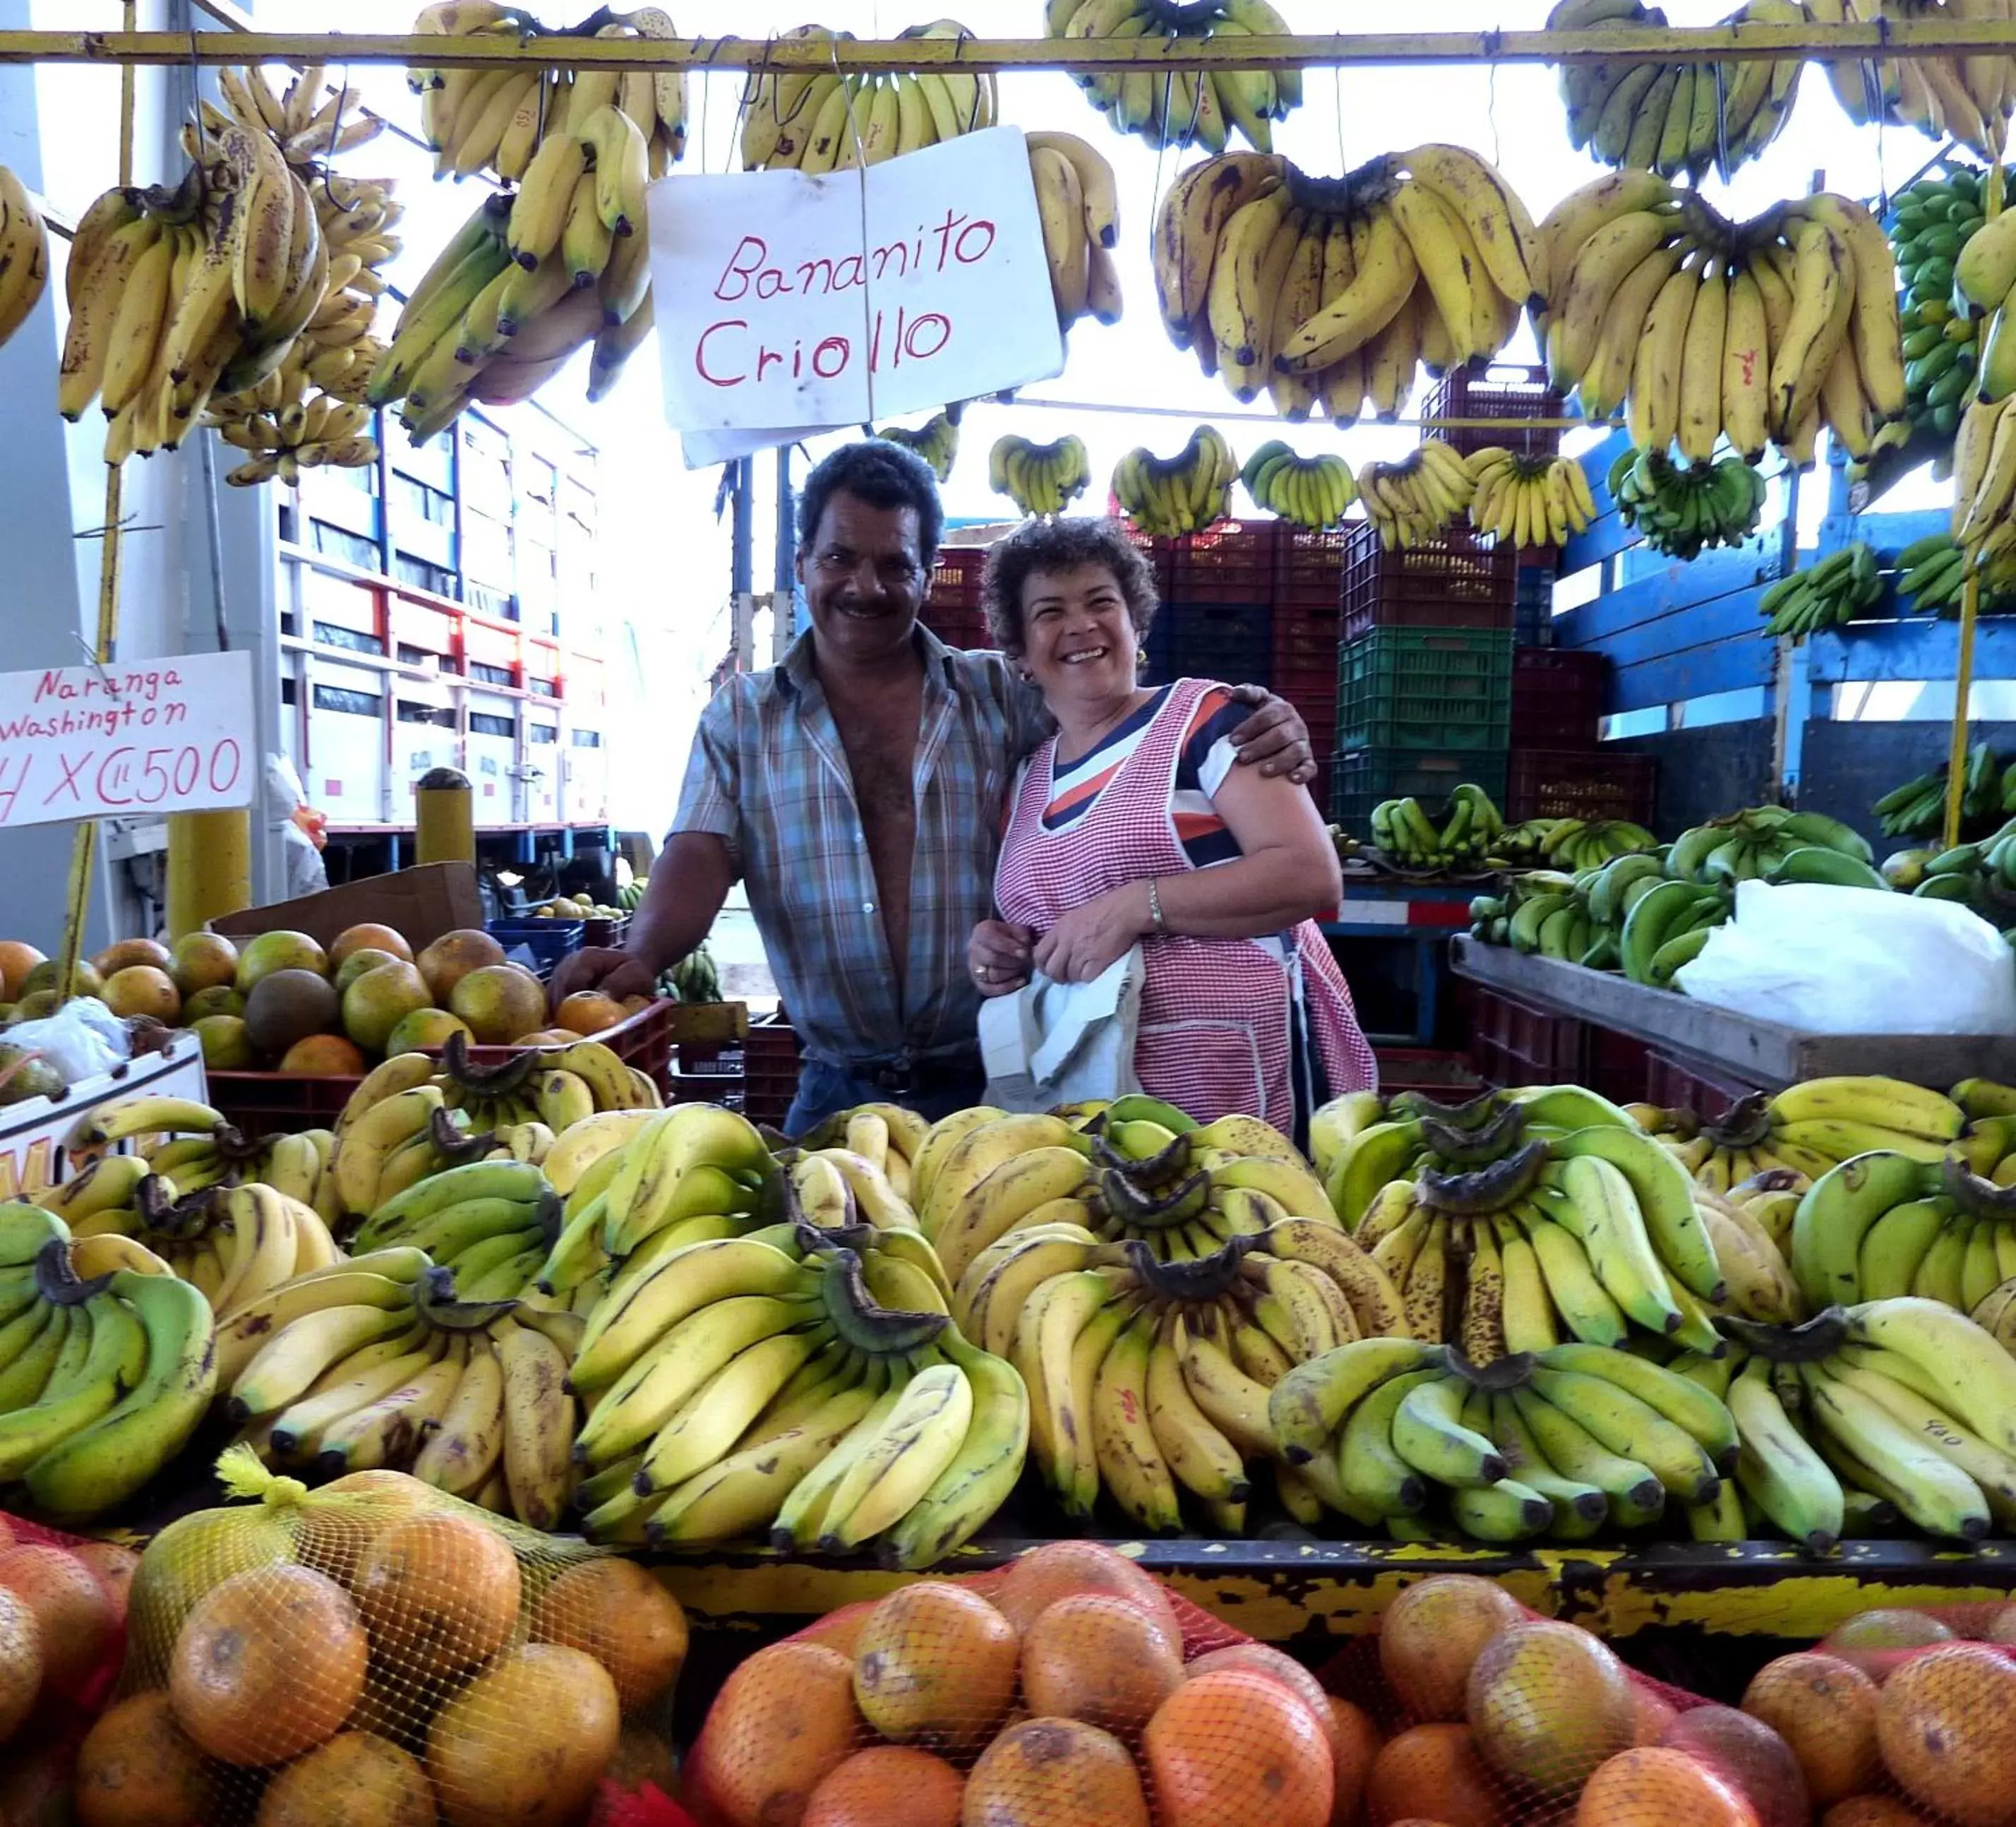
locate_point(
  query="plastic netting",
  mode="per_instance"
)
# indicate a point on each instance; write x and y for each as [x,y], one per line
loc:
[63,1633]
[377,1654]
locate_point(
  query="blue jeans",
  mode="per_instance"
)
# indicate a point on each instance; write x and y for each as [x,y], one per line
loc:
[935,1090]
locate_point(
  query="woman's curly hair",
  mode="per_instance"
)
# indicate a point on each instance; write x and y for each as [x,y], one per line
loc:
[1056,546]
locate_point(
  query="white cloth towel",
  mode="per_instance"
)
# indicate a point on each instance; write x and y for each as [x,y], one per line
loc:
[1060,1043]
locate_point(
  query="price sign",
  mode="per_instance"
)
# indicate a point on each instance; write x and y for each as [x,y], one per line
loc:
[139,736]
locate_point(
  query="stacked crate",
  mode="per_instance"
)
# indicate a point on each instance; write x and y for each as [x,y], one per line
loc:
[1424,672]
[1557,769]
[1217,616]
[952,604]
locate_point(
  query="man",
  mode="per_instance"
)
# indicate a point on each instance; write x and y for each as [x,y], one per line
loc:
[857,789]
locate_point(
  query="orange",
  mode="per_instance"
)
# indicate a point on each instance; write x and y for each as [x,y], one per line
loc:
[1825,1709]
[1651,1714]
[1652,1787]
[323,1056]
[136,1768]
[782,1723]
[438,1590]
[269,1664]
[115,1567]
[935,1664]
[1548,1703]
[618,1613]
[1432,1772]
[17,961]
[839,1630]
[525,1743]
[1353,1743]
[76,1615]
[1432,1633]
[20,1663]
[1055,1773]
[1098,1657]
[368,937]
[331,1537]
[143,990]
[1039,1579]
[1236,1745]
[888,1786]
[380,1785]
[122,954]
[587,1011]
[1276,1664]
[1947,1725]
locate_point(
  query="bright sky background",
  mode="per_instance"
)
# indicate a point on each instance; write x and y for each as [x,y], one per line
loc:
[667,560]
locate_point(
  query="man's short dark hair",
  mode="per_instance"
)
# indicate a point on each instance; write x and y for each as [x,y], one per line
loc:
[882,474]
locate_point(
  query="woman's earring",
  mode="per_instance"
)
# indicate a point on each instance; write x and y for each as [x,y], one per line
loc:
[1141,657]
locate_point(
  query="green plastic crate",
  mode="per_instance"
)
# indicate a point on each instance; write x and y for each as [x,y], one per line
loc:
[1425,688]
[1360,780]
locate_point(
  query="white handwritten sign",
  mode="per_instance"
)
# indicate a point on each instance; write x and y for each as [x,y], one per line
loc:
[146,736]
[798,302]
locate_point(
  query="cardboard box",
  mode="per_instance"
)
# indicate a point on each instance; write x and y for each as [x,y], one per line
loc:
[420,903]
[32,1155]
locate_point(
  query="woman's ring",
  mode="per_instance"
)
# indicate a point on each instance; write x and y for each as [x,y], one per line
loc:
[985,973]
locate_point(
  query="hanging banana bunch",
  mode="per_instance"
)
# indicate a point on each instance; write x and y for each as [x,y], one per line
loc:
[936,440]
[1328,292]
[1967,98]
[1174,107]
[24,255]
[497,120]
[1169,496]
[1418,498]
[1312,492]
[1039,478]
[1080,212]
[1529,500]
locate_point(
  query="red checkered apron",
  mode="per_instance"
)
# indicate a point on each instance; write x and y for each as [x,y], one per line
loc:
[1217,1014]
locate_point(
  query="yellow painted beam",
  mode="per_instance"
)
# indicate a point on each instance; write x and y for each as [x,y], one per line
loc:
[1914,38]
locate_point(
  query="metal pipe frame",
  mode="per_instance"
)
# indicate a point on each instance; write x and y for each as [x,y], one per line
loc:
[1908,39]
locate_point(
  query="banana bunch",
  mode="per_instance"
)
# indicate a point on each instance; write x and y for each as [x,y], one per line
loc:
[1310,492]
[1668,926]
[103,1379]
[1705,328]
[1931,574]
[936,441]
[490,1224]
[811,1385]
[1413,501]
[1965,98]
[375,1363]
[530,279]
[24,255]
[1775,1138]
[1556,1441]
[695,978]
[1829,594]
[190,1148]
[1529,500]
[1929,223]
[1080,213]
[1039,478]
[1526,842]
[324,430]
[179,293]
[819,120]
[1176,106]
[1983,515]
[1470,828]
[1578,844]
[1892,1406]
[1674,118]
[1918,807]
[1681,508]
[1169,496]
[1762,842]
[1327,292]
[499,120]
[308,127]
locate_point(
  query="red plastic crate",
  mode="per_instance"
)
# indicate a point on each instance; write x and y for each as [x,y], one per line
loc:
[1598,783]
[1511,1043]
[264,1104]
[1446,1077]
[1232,562]
[1677,1087]
[770,1070]
[1458,581]
[1498,390]
[957,628]
[1308,569]
[1556,697]
[955,578]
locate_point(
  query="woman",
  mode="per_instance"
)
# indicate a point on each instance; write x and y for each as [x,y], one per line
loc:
[1131,825]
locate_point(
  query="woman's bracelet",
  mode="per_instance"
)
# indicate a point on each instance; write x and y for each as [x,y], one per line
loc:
[1155,906]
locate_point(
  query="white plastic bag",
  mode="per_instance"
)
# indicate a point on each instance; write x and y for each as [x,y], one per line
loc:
[1835,961]
[1059,1042]
[289,818]
[81,1039]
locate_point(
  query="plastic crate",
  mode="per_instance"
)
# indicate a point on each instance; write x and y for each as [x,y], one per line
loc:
[1533,606]
[1458,581]
[1234,642]
[1511,1043]
[770,1070]
[1308,569]
[548,940]
[1425,688]
[1361,779]
[956,574]
[958,628]
[264,1104]
[1305,650]
[1433,1072]
[1232,562]
[1498,390]
[1556,697]
[1599,783]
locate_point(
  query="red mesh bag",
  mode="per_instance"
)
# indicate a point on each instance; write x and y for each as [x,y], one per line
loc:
[63,1633]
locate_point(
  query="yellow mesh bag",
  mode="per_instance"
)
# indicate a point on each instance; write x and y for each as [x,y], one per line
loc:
[377,1654]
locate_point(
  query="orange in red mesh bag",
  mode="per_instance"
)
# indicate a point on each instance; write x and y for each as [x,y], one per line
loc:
[376,1654]
[1068,1690]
